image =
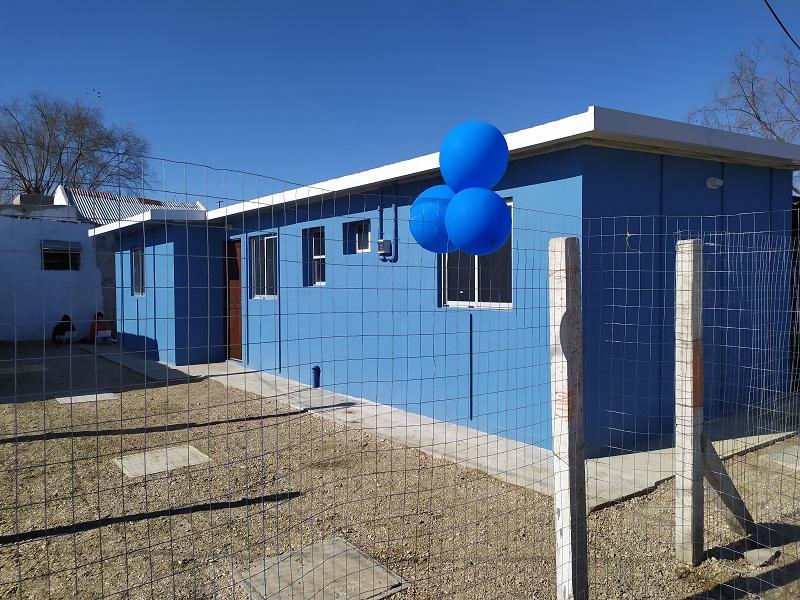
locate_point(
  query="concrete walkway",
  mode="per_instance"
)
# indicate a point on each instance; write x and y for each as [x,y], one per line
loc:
[608,480]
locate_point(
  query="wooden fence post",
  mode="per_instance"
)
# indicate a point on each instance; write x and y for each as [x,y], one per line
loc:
[566,383]
[689,460]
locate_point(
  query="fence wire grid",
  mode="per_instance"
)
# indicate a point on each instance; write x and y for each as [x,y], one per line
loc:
[296,401]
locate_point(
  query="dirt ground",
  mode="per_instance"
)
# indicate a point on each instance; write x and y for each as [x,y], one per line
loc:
[72,526]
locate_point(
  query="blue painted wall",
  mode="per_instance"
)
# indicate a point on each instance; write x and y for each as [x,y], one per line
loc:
[629,287]
[179,319]
[377,329]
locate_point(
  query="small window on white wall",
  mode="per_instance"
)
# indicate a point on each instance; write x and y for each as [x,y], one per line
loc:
[356,236]
[61,256]
[264,266]
[137,271]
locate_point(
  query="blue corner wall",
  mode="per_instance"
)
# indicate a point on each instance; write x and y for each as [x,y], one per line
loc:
[636,206]
[378,330]
[179,319]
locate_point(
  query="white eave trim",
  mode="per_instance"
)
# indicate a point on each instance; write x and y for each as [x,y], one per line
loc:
[596,126]
[563,130]
[662,135]
[151,216]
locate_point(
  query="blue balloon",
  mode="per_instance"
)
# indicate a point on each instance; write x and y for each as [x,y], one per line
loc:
[473,155]
[478,221]
[426,221]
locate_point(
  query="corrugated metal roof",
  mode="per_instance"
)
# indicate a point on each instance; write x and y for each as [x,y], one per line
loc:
[102,208]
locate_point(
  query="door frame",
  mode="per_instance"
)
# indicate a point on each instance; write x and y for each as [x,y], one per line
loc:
[237,243]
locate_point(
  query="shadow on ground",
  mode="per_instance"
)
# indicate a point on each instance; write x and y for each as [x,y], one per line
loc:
[83,526]
[90,433]
[767,535]
[756,585]
[37,371]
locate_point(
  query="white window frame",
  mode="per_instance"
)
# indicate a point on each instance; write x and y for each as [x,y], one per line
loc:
[138,279]
[317,257]
[361,227]
[476,303]
[69,250]
[262,239]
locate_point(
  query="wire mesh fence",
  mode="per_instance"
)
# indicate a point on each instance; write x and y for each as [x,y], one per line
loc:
[284,396]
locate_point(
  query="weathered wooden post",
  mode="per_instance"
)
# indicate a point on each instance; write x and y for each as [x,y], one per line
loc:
[689,460]
[566,383]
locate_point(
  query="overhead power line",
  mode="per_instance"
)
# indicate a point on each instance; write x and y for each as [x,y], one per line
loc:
[778,19]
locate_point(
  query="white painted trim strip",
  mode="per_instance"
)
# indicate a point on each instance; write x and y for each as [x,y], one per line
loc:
[156,215]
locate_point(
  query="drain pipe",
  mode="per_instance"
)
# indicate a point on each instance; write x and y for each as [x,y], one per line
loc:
[396,239]
[395,253]
[380,221]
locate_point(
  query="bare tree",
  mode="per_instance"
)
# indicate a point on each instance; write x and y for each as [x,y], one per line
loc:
[47,141]
[760,96]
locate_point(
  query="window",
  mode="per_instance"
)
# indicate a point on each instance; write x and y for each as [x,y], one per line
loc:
[137,271]
[61,256]
[356,236]
[314,256]
[264,266]
[478,281]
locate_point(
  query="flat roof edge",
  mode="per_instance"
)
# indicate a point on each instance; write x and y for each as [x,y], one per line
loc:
[620,126]
[561,130]
[156,216]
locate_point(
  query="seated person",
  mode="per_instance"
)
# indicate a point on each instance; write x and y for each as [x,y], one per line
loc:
[62,332]
[100,329]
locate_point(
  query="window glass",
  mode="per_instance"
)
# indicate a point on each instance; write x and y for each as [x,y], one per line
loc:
[356,237]
[460,277]
[61,256]
[362,236]
[494,275]
[137,271]
[478,281]
[264,266]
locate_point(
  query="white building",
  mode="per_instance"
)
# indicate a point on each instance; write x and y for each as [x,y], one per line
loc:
[51,266]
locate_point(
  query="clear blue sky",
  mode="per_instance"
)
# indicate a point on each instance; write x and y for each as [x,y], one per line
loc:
[311,90]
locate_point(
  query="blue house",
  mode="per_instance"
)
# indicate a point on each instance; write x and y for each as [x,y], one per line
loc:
[323,284]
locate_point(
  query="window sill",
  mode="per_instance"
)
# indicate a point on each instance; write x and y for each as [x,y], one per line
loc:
[480,305]
[264,297]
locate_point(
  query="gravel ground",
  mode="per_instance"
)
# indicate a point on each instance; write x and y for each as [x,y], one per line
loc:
[72,526]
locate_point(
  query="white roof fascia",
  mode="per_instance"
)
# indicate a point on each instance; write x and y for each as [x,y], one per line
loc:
[151,216]
[674,137]
[562,130]
[596,126]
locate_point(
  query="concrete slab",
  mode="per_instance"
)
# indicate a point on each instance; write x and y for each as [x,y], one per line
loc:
[86,398]
[761,557]
[786,455]
[608,480]
[135,361]
[330,569]
[160,460]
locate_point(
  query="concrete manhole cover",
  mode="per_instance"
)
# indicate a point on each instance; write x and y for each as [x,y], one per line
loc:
[160,460]
[86,398]
[332,569]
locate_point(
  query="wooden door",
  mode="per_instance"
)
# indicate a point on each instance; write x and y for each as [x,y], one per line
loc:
[233,268]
